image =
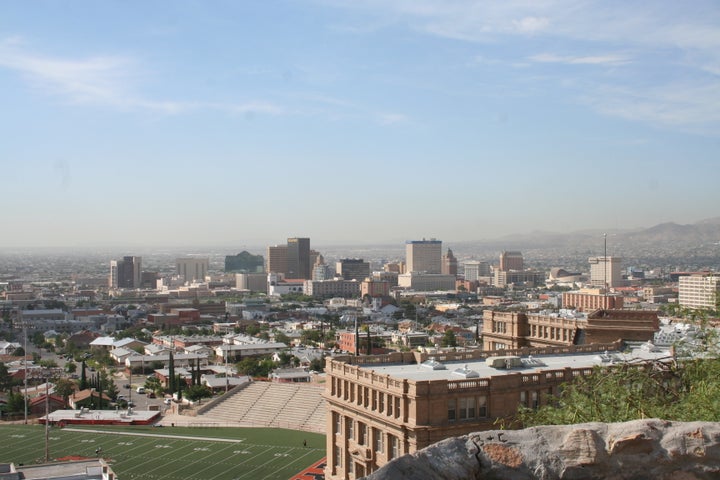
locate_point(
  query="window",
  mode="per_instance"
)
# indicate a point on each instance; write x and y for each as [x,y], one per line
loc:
[338,458]
[534,399]
[451,410]
[397,407]
[379,441]
[394,446]
[389,409]
[338,424]
[471,407]
[351,429]
[482,406]
[466,407]
[523,399]
[381,402]
[374,400]
[362,433]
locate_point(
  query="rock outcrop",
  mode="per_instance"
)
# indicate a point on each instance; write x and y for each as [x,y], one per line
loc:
[637,450]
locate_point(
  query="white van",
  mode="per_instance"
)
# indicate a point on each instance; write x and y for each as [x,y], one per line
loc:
[141,390]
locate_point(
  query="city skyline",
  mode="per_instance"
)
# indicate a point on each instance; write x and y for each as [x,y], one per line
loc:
[226,123]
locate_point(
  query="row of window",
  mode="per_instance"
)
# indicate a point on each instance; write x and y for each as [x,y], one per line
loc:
[499,327]
[553,333]
[382,443]
[467,408]
[362,396]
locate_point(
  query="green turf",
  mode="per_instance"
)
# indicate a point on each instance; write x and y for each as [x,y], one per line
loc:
[161,453]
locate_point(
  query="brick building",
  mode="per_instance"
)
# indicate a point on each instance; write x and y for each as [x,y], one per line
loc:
[383,406]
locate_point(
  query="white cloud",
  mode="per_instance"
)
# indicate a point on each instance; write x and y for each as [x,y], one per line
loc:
[107,81]
[690,107]
[531,24]
[609,59]
[392,118]
[669,51]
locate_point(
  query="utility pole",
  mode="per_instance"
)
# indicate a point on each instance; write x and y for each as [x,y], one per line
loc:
[47,420]
[605,265]
[24,326]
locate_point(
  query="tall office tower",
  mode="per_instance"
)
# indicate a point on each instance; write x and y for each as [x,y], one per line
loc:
[605,271]
[314,255]
[352,269]
[511,261]
[475,269]
[298,258]
[192,269]
[423,256]
[449,263]
[699,291]
[321,271]
[277,259]
[126,273]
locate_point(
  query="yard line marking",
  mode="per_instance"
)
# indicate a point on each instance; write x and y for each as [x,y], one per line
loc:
[185,437]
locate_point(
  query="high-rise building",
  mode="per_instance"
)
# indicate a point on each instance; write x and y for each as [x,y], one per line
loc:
[277,259]
[510,260]
[605,272]
[353,269]
[423,256]
[699,291]
[298,258]
[322,271]
[126,273]
[449,263]
[254,282]
[192,269]
[475,269]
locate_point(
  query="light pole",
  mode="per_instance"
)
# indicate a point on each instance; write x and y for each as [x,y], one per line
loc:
[24,326]
[227,379]
[605,265]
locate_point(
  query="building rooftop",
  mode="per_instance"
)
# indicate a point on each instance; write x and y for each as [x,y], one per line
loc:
[432,368]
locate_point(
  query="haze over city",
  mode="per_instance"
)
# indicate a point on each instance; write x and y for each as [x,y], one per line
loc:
[233,123]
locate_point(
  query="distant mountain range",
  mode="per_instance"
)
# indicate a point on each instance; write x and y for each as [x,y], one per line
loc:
[698,241]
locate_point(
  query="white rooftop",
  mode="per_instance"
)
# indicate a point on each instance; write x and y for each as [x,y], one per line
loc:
[533,364]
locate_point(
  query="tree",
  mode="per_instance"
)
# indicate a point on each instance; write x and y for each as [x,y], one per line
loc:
[317,364]
[107,383]
[83,376]
[449,339]
[65,388]
[684,388]
[196,392]
[70,367]
[38,339]
[15,402]
[5,378]
[19,352]
[153,384]
[255,367]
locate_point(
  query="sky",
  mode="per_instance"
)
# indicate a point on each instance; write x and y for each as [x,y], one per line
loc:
[353,122]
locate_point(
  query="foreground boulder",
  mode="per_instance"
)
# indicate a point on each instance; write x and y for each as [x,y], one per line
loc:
[641,449]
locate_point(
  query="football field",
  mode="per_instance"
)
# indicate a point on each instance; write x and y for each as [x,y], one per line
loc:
[171,452]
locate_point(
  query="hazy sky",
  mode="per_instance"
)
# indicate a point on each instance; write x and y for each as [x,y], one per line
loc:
[359,121]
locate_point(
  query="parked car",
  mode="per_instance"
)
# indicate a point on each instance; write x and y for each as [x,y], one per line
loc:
[140,390]
[167,401]
[127,385]
[151,395]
